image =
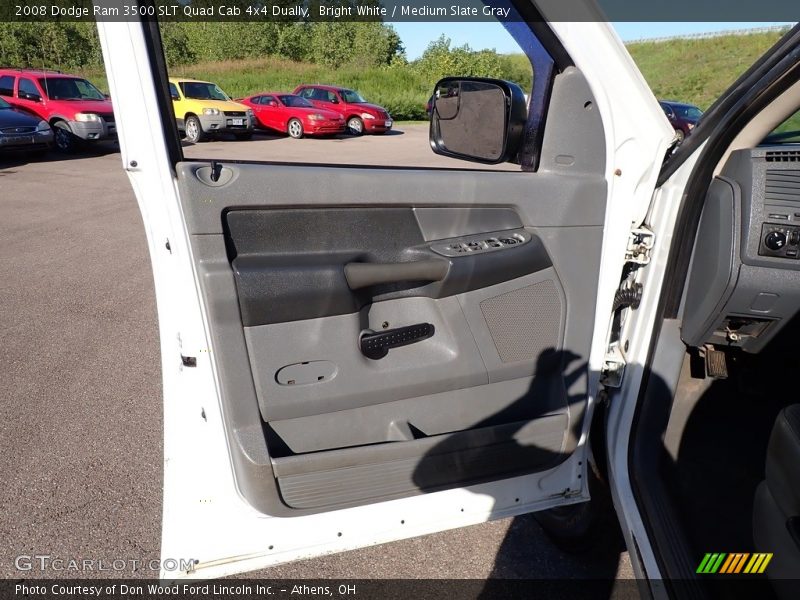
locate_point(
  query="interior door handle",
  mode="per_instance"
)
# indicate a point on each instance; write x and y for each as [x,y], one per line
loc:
[360,275]
[376,345]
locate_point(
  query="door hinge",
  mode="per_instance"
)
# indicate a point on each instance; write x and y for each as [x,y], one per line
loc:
[640,243]
[613,367]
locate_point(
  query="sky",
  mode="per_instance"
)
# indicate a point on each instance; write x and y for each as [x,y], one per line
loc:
[417,36]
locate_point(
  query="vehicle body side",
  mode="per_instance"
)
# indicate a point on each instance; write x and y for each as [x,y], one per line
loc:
[21,131]
[214,115]
[680,115]
[68,113]
[373,118]
[272,113]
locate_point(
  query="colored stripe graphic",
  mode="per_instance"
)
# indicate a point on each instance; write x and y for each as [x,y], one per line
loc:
[753,564]
[727,564]
[715,567]
[740,563]
[731,561]
[711,562]
[767,558]
[704,563]
[737,562]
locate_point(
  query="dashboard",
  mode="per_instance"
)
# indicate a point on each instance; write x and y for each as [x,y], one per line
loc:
[744,280]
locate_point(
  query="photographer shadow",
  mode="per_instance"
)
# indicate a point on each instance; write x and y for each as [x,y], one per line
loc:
[527,552]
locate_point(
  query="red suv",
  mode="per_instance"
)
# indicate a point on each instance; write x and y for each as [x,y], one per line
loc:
[75,109]
[361,116]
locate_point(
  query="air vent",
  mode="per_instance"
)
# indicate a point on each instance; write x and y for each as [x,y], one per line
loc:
[783,156]
[782,186]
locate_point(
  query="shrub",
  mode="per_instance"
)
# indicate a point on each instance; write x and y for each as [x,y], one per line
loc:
[49,45]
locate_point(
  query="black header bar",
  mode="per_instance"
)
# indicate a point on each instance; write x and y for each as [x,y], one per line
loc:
[259,11]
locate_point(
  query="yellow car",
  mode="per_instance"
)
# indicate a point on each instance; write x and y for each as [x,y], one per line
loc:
[203,109]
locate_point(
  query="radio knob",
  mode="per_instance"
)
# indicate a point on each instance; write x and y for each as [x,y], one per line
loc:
[775,240]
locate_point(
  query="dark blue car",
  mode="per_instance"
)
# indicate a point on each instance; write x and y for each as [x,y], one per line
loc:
[22,132]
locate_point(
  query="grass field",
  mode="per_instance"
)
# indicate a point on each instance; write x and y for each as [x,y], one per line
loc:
[402,91]
[698,70]
[691,70]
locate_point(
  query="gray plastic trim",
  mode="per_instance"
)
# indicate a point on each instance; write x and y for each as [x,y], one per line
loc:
[495,241]
[451,222]
[574,142]
[361,275]
[449,360]
[713,273]
[546,199]
[728,278]
[282,276]
[404,420]
[563,204]
[535,346]
[749,169]
[330,479]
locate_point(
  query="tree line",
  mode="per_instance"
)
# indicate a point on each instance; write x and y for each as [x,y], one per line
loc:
[75,46]
[366,55]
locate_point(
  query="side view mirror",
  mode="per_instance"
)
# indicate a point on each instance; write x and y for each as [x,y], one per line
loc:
[272,103]
[478,119]
[175,98]
[334,100]
[31,97]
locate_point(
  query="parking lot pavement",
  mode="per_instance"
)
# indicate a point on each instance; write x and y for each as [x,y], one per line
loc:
[405,146]
[80,407]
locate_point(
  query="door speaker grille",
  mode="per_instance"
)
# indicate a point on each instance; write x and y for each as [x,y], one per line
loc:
[524,322]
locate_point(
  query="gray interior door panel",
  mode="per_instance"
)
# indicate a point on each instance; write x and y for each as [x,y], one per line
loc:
[343,477]
[282,276]
[448,360]
[478,287]
[412,419]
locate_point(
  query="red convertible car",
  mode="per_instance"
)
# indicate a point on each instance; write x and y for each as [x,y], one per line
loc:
[293,115]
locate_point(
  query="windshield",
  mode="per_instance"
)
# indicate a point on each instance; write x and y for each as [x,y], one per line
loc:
[197,90]
[787,132]
[687,112]
[295,102]
[4,104]
[67,88]
[352,97]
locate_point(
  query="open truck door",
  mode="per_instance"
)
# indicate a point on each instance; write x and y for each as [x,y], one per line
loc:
[356,355]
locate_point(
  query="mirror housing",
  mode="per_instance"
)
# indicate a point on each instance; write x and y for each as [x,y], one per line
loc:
[478,119]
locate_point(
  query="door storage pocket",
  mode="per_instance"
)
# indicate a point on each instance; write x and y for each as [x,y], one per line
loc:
[351,476]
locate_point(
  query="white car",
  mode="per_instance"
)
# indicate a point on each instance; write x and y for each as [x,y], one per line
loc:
[473,344]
